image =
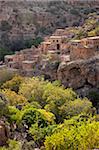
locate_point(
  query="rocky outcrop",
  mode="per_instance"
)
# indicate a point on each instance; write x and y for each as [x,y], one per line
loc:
[49,70]
[77,74]
[4,133]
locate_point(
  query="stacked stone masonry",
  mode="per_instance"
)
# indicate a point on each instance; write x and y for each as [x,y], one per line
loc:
[75,63]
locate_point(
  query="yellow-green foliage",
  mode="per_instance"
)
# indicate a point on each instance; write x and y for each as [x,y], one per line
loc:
[32,88]
[39,134]
[43,109]
[54,98]
[76,107]
[94,32]
[83,136]
[47,115]
[13,84]
[91,21]
[32,115]
[13,98]
[12,145]
[15,115]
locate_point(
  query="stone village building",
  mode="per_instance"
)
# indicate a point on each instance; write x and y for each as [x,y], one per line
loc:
[25,60]
[56,46]
[75,63]
[85,48]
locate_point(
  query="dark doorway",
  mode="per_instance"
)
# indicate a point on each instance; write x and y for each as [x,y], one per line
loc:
[58,47]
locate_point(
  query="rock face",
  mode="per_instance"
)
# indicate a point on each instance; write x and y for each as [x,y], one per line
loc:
[3,133]
[79,73]
[49,70]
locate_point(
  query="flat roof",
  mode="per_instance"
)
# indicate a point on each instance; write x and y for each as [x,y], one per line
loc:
[52,51]
[78,41]
[55,36]
[9,56]
[58,36]
[59,29]
[28,62]
[46,42]
[92,38]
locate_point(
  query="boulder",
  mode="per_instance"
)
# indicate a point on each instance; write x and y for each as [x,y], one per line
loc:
[4,133]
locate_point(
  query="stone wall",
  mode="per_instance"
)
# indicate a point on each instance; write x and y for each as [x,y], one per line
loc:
[81,53]
[85,48]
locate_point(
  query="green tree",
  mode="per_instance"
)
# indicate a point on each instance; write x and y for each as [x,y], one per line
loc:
[4,52]
[37,41]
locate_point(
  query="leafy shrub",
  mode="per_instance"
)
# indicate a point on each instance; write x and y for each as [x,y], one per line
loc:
[76,107]
[3,108]
[94,32]
[39,134]
[82,136]
[13,98]
[14,115]
[49,96]
[12,145]
[37,41]
[55,98]
[41,117]
[5,75]
[13,84]
[30,115]
[33,90]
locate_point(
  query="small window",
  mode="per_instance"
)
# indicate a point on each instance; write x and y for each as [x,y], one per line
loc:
[10,66]
[97,47]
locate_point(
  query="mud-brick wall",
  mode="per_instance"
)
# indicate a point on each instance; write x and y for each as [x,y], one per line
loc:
[81,53]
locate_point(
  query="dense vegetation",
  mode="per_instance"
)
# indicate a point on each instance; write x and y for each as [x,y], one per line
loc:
[46,115]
